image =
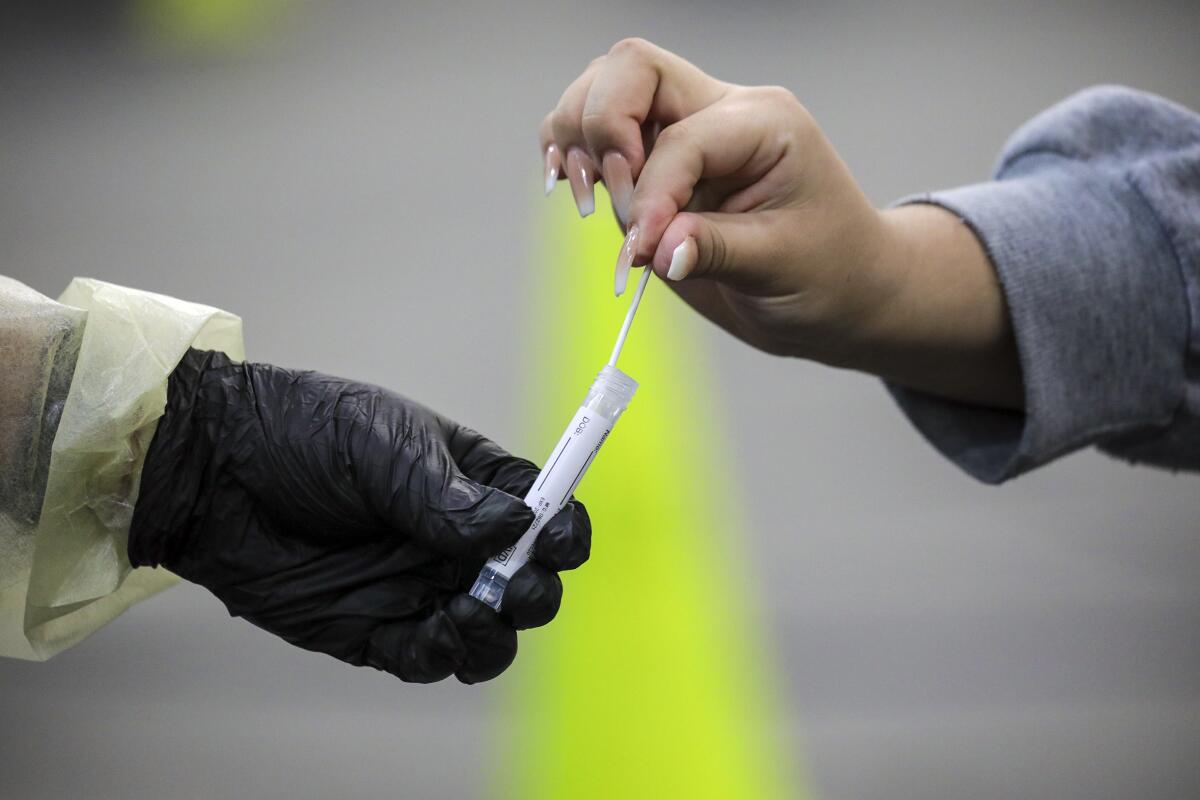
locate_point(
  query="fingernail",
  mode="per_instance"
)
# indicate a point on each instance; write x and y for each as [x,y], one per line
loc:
[618,177]
[683,259]
[553,167]
[625,261]
[581,172]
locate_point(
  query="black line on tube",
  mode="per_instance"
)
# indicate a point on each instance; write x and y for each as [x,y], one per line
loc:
[555,464]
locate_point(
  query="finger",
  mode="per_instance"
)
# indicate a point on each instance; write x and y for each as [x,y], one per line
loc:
[486,462]
[636,82]
[618,101]
[741,250]
[402,469]
[427,497]
[724,142]
[562,138]
[637,87]
[566,541]
[491,643]
[566,120]
[418,652]
[532,596]
[464,518]
[650,131]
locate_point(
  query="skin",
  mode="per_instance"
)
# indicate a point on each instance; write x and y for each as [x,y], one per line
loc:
[35,358]
[773,239]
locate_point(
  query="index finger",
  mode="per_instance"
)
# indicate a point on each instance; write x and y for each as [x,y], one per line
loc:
[636,83]
[722,141]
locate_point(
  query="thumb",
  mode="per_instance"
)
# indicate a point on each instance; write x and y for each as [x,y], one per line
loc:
[741,250]
[459,517]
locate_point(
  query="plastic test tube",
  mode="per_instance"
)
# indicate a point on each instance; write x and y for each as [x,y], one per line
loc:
[609,396]
[606,400]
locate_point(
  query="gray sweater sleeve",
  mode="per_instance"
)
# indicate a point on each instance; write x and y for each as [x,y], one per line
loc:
[1093,225]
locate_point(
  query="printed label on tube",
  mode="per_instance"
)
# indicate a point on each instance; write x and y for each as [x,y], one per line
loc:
[555,483]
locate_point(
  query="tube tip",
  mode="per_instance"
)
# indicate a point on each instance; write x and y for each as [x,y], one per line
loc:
[489,588]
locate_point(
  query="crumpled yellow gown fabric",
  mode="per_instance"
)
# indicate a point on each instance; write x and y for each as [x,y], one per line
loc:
[83,382]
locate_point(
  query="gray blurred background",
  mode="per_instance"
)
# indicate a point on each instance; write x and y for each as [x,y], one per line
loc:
[360,182]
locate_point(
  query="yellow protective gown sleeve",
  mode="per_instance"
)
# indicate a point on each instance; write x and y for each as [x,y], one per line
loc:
[88,373]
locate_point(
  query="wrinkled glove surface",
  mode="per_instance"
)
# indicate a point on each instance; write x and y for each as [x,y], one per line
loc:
[345,518]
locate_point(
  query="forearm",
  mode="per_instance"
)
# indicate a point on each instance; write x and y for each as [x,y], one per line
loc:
[39,342]
[1090,226]
[65,574]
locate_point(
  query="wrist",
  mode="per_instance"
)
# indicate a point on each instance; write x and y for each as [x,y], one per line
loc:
[177,463]
[844,322]
[940,323]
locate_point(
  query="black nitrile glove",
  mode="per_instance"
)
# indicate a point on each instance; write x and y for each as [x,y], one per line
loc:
[345,518]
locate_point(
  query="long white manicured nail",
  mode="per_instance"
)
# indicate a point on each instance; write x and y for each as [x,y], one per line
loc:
[581,172]
[625,261]
[683,259]
[619,179]
[553,167]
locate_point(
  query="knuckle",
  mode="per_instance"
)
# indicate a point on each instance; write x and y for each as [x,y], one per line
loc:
[546,129]
[562,123]
[652,207]
[718,251]
[777,94]
[793,108]
[778,99]
[786,109]
[806,130]
[672,135]
[583,519]
[632,45]
[803,118]
[580,549]
[597,125]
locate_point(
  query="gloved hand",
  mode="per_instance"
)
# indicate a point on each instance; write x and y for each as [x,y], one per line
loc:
[345,519]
